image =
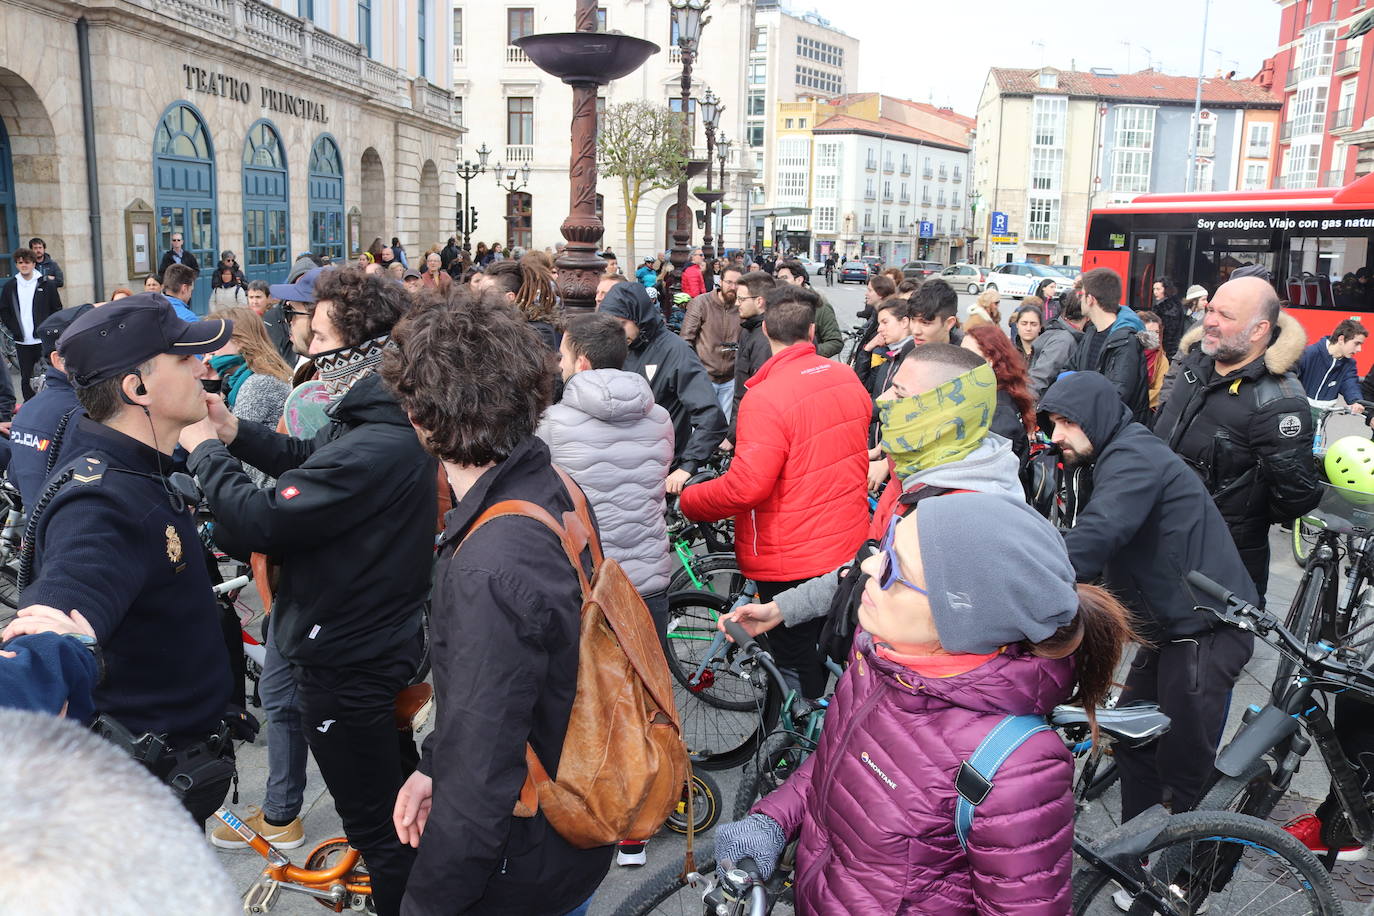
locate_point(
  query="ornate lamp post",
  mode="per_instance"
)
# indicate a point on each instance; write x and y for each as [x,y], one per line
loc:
[468,171]
[585,60]
[710,118]
[687,16]
[512,182]
[723,155]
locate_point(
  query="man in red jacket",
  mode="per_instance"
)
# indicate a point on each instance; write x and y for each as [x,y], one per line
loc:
[796,485]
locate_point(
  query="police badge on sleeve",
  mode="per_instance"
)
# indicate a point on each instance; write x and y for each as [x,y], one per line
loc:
[1289,425]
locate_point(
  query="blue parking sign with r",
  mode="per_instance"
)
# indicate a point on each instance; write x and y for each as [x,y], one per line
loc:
[999,223]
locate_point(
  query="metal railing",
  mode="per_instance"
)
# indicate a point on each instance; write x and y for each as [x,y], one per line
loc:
[1342,119]
[674,54]
[457,54]
[958,176]
[519,153]
[927,174]
[871,165]
[888,167]
[1257,151]
[515,55]
[906,168]
[1335,178]
[944,175]
[1349,59]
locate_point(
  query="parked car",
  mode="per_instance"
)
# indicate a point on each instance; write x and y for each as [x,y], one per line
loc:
[919,270]
[855,271]
[875,263]
[1020,278]
[1069,270]
[967,278]
[813,268]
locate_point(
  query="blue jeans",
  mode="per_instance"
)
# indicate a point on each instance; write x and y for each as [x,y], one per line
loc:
[286,747]
[725,396]
[581,910]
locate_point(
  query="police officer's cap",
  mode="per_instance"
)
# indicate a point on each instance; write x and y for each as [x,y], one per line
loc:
[117,338]
[53,326]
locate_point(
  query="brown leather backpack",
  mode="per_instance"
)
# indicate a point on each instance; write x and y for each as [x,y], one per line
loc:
[624,766]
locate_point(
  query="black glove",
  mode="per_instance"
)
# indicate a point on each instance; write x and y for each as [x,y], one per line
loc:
[243,725]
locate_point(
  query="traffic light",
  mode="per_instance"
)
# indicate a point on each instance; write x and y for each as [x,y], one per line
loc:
[472,219]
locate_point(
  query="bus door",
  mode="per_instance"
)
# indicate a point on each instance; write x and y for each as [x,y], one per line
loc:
[1155,255]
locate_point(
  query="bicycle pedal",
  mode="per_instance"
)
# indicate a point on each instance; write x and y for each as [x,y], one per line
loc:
[261,896]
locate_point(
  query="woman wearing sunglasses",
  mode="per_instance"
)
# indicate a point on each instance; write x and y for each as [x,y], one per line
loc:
[942,658]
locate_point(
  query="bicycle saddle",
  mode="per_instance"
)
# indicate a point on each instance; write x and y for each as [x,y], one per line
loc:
[1132,724]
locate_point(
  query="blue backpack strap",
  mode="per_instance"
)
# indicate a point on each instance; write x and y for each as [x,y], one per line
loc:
[974,780]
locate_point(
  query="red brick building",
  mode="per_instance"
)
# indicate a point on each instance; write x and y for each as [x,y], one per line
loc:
[1323,70]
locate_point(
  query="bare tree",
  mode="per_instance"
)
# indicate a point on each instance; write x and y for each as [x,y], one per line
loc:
[643,145]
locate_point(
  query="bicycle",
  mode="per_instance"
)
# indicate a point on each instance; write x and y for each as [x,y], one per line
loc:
[1285,729]
[334,873]
[11,536]
[1306,529]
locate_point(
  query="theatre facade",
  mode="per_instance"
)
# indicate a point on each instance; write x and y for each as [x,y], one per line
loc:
[235,122]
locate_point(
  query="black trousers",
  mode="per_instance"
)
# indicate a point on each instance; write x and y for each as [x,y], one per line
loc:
[1256,560]
[795,647]
[29,355]
[348,716]
[1191,679]
[1354,725]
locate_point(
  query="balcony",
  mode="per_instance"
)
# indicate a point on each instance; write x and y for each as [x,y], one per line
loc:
[1348,61]
[518,154]
[516,55]
[1342,119]
[958,176]
[940,203]
[674,54]
[870,194]
[297,41]
[927,174]
[1257,151]
[944,175]
[906,168]
[457,54]
[871,165]
[925,200]
[887,197]
[888,167]
[905,199]
[1334,179]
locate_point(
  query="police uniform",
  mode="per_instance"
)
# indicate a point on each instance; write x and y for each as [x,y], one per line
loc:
[42,428]
[108,538]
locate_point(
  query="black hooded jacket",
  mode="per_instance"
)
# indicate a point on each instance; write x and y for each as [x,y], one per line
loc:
[752,354]
[675,375]
[351,519]
[1149,520]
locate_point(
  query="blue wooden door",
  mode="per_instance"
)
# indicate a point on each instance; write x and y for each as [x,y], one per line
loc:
[266,207]
[326,199]
[184,183]
[9,223]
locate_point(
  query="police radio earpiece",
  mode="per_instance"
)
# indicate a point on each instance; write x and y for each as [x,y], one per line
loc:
[140,391]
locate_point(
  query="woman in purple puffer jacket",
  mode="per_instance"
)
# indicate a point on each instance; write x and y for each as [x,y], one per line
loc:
[945,652]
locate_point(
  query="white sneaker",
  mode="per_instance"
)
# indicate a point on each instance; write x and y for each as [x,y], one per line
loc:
[1123,900]
[631,855]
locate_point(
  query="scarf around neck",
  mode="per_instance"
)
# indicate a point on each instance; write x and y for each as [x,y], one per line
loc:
[341,369]
[233,372]
[939,426]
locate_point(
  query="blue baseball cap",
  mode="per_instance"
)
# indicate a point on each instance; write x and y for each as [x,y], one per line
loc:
[303,290]
[114,339]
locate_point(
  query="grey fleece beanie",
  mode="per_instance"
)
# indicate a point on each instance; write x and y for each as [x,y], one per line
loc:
[1029,595]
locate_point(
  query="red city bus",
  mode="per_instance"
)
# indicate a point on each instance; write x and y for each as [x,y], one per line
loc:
[1312,241]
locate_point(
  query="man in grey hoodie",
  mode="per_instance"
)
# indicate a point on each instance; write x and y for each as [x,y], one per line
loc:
[991,467]
[608,433]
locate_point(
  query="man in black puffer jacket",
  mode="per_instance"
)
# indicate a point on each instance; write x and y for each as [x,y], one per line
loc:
[1147,524]
[1234,410]
[677,378]
[753,345]
[352,521]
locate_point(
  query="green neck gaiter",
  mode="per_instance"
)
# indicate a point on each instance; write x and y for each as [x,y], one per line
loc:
[939,426]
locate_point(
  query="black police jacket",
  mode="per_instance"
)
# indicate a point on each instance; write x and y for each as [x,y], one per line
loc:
[114,545]
[1247,434]
[1148,521]
[34,444]
[351,521]
[505,621]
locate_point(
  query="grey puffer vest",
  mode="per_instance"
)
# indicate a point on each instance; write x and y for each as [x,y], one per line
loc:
[608,433]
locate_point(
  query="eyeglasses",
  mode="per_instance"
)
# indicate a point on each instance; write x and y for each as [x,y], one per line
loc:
[288,314]
[176,240]
[890,570]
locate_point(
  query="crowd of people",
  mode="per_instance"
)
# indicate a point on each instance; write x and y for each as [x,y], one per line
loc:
[337,422]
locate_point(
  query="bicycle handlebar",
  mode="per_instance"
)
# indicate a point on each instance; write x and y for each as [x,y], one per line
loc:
[751,649]
[1209,587]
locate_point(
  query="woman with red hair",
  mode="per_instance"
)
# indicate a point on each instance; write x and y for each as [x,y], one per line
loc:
[1015,416]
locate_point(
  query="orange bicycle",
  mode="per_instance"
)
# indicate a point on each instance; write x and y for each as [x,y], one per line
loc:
[334,873]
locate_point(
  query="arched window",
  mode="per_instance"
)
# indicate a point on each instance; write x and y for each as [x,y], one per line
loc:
[326,198]
[184,186]
[266,205]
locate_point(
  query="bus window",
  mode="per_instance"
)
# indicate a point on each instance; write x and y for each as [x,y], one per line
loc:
[1319,271]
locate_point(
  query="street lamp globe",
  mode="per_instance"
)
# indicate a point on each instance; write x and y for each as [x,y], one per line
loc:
[687,16]
[710,109]
[525,174]
[723,146]
[482,154]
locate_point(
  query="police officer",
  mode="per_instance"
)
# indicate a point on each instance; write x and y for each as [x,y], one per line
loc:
[40,430]
[111,540]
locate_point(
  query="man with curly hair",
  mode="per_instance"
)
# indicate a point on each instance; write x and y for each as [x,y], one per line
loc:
[505,619]
[352,521]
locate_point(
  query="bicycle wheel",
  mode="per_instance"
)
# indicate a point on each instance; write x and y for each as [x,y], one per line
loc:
[715,572]
[777,758]
[705,806]
[692,617]
[1228,863]
[1304,618]
[9,595]
[1243,794]
[1301,541]
[665,893]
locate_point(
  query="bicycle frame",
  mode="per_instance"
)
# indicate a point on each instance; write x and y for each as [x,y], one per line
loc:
[332,885]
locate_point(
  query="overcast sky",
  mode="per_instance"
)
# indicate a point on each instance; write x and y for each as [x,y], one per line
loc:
[941,52]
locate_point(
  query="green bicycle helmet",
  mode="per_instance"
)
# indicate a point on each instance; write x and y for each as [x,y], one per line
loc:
[1349,464]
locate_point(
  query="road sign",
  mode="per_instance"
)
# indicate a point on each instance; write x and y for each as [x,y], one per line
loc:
[1005,239]
[999,223]
[927,229]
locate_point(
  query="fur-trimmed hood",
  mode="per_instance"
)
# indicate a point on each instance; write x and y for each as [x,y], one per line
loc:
[1283,353]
